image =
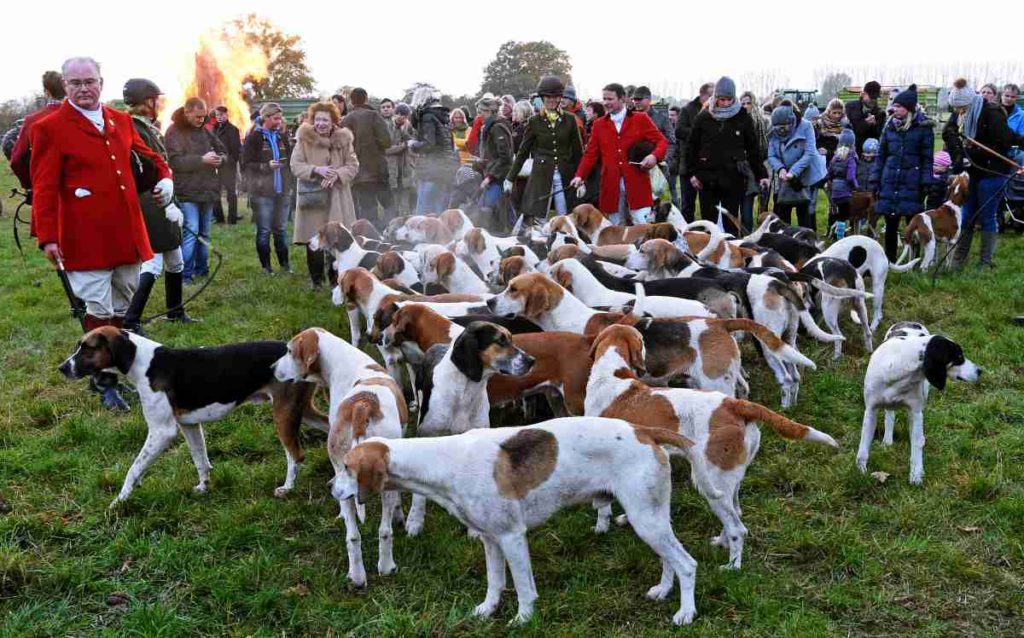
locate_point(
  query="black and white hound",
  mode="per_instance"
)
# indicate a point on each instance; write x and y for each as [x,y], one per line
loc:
[899,373]
[184,388]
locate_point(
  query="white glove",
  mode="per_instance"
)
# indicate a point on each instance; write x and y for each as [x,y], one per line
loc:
[174,214]
[581,192]
[507,186]
[164,192]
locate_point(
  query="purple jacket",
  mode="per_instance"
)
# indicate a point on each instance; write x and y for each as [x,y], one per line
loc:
[843,173]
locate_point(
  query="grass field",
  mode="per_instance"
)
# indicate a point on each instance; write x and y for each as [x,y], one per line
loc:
[830,551]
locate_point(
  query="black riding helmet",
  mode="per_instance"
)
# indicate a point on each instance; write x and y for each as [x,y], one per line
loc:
[138,90]
[550,86]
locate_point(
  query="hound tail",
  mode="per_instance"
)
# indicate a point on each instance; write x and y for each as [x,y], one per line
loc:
[904,267]
[782,426]
[702,477]
[768,339]
[839,293]
[807,321]
[638,305]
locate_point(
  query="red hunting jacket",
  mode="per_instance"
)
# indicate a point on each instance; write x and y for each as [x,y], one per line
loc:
[612,148]
[84,196]
[20,152]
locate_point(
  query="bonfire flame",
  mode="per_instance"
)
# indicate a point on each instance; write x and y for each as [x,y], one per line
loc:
[219,71]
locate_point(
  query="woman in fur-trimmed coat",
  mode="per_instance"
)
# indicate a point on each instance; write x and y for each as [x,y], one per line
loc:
[324,153]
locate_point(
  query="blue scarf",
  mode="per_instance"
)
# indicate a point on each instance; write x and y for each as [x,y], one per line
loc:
[969,120]
[271,137]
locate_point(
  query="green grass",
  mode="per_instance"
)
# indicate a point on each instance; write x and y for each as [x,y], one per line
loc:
[830,551]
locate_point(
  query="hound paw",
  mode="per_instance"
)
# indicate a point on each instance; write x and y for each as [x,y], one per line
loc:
[281,492]
[485,609]
[413,528]
[731,566]
[357,579]
[386,569]
[683,617]
[622,520]
[658,592]
[917,477]
[522,617]
[862,464]
[202,488]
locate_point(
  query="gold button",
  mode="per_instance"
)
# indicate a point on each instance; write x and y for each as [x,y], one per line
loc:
[108,142]
[118,172]
[122,186]
[112,157]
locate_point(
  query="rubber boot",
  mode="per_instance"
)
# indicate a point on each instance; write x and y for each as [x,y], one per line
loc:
[315,264]
[173,297]
[133,316]
[988,248]
[963,247]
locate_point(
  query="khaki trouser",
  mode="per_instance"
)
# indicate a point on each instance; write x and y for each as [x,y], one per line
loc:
[106,293]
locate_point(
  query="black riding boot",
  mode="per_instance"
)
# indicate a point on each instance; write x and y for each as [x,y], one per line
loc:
[133,316]
[315,263]
[173,297]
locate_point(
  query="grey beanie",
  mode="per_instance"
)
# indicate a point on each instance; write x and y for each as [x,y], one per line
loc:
[812,112]
[961,95]
[847,138]
[403,109]
[783,115]
[725,87]
[871,145]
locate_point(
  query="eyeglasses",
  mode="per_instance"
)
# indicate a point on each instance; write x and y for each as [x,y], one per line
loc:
[86,83]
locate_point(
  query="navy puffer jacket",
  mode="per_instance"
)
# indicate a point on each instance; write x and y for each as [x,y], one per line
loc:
[903,168]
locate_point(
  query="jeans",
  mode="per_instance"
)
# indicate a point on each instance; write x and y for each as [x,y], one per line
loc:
[559,197]
[981,198]
[271,214]
[430,198]
[198,217]
[491,195]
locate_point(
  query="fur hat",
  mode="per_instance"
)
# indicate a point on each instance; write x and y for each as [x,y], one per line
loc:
[961,95]
[870,146]
[847,138]
[907,99]
[873,89]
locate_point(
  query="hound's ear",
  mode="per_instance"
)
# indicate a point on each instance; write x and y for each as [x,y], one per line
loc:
[371,480]
[636,354]
[937,356]
[536,302]
[564,278]
[122,352]
[466,355]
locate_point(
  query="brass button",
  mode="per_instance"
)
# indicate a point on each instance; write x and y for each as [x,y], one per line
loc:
[118,172]
[122,186]
[112,157]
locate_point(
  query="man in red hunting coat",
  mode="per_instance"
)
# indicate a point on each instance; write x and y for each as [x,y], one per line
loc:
[85,207]
[625,182]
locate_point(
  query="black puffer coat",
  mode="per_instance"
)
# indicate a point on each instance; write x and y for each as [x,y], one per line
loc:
[434,144]
[194,181]
[716,147]
[992,131]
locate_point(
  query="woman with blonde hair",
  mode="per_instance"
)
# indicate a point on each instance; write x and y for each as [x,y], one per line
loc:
[324,163]
[458,122]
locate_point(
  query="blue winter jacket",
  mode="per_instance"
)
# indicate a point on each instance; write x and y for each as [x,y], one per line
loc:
[903,168]
[798,154]
[1015,120]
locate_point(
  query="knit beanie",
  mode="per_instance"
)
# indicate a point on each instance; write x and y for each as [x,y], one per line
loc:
[907,99]
[403,109]
[871,146]
[812,113]
[961,95]
[942,160]
[725,87]
[847,138]
[783,115]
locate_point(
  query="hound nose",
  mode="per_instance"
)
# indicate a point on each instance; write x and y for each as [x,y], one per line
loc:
[65,368]
[528,361]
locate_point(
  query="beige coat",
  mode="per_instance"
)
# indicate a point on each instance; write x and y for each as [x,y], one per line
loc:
[334,150]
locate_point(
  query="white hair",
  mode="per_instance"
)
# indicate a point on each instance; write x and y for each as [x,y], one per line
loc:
[424,94]
[80,60]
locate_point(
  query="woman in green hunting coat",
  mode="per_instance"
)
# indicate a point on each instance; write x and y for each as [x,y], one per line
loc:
[552,140]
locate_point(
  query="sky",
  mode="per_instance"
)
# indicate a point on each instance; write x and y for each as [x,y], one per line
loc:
[386,46]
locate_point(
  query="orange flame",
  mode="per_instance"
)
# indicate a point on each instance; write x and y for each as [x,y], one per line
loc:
[218,71]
